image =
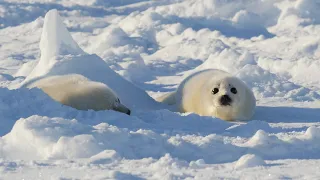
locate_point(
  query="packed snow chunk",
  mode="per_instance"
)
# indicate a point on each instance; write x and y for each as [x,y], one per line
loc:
[245,18]
[119,175]
[36,137]
[189,45]
[135,69]
[262,139]
[168,167]
[79,146]
[141,24]
[213,148]
[266,84]
[224,17]
[250,128]
[110,37]
[168,161]
[26,68]
[55,38]
[312,133]
[249,160]
[22,103]
[304,12]
[105,157]
[228,60]
[223,9]
[121,51]
[197,163]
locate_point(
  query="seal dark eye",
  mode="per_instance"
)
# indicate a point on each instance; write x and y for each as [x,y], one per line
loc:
[233,90]
[215,91]
[118,100]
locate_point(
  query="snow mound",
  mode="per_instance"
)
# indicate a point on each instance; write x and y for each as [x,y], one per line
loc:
[36,134]
[249,160]
[26,68]
[266,84]
[262,139]
[194,44]
[110,37]
[106,156]
[41,137]
[228,60]
[238,19]
[197,163]
[312,133]
[55,39]
[25,103]
[61,55]
[250,128]
[117,48]
[304,12]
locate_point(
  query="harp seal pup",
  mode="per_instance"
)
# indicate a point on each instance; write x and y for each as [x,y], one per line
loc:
[215,93]
[80,93]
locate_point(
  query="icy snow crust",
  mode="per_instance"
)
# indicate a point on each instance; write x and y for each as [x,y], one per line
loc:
[142,49]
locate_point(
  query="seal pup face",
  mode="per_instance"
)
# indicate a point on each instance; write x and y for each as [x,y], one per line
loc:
[117,106]
[228,95]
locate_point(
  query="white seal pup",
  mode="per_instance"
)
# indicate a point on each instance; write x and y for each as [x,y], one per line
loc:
[81,93]
[213,93]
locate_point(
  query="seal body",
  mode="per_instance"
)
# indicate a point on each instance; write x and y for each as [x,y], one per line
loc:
[81,93]
[213,93]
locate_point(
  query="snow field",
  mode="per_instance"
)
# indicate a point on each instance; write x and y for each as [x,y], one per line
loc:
[141,48]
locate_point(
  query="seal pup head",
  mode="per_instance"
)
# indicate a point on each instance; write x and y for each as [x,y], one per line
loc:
[117,106]
[228,95]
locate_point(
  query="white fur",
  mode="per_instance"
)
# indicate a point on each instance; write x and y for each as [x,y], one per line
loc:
[194,94]
[79,92]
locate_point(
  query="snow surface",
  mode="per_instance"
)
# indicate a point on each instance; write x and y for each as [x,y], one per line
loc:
[143,48]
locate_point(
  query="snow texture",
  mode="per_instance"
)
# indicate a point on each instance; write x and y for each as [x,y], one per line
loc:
[142,49]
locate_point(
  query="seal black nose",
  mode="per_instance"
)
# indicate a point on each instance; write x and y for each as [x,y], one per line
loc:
[128,112]
[225,100]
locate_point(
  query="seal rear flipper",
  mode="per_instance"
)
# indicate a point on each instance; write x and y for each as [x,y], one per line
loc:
[168,98]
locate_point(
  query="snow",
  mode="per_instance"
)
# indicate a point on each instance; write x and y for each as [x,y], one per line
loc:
[142,49]
[248,161]
[55,39]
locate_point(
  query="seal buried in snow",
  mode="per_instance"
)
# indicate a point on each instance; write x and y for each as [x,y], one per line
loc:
[79,92]
[213,93]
